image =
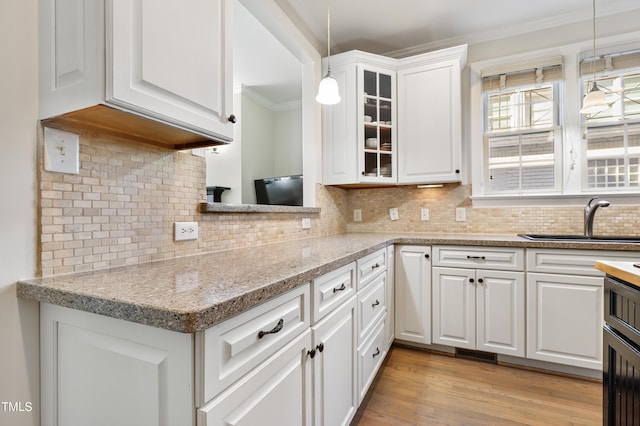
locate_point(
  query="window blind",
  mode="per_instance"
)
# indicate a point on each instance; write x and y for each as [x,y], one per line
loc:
[524,74]
[609,63]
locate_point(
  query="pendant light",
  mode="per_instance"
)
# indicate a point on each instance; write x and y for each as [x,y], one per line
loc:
[594,101]
[328,89]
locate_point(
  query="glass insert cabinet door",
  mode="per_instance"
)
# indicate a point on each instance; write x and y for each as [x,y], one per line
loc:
[377,124]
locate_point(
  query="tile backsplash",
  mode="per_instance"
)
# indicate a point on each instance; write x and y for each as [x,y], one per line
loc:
[442,204]
[121,208]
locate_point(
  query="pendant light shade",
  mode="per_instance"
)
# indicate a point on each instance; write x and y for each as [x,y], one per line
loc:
[328,93]
[594,101]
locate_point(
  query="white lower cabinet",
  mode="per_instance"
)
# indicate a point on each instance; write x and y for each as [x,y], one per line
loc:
[102,371]
[565,305]
[479,309]
[565,315]
[389,324]
[476,306]
[278,392]
[413,293]
[335,367]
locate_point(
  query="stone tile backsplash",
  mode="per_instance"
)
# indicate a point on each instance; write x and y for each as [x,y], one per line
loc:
[121,208]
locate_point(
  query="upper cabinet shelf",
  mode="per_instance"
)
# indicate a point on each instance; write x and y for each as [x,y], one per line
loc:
[157,72]
[399,121]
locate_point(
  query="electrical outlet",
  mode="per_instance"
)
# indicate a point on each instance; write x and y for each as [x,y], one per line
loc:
[357,215]
[393,214]
[185,231]
[461,214]
[306,223]
[424,214]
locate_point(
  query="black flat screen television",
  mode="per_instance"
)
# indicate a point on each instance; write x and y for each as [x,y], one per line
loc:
[279,191]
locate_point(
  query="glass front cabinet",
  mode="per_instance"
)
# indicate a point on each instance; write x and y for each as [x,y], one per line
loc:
[363,142]
[376,125]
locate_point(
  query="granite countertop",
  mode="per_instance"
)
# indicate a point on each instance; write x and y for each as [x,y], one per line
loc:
[194,293]
[624,271]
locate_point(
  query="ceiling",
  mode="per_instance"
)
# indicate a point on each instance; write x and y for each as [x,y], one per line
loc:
[395,28]
[385,27]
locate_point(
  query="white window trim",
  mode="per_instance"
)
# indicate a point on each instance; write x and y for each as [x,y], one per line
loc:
[571,155]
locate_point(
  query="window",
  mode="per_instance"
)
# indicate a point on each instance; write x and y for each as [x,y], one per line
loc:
[612,137]
[522,131]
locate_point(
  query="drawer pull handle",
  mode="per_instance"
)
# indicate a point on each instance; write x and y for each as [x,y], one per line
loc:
[476,257]
[373,305]
[274,330]
[341,288]
[375,266]
[377,352]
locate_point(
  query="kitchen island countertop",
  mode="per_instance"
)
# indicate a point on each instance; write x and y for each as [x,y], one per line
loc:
[622,270]
[193,293]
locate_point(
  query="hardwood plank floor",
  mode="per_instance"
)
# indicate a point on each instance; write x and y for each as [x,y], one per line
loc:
[423,388]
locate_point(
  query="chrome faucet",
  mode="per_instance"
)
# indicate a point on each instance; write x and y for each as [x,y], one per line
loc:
[589,214]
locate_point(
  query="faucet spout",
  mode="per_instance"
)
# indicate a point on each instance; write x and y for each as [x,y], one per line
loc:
[590,213]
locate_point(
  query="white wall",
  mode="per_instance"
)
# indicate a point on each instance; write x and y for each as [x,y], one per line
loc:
[19,370]
[287,142]
[257,124]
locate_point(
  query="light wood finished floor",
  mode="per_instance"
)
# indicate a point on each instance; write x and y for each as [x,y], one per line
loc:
[422,388]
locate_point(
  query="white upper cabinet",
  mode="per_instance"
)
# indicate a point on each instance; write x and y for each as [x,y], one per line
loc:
[399,121]
[159,71]
[429,118]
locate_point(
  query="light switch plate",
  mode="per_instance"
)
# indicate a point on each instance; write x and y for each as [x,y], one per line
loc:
[424,214]
[306,223]
[461,214]
[357,215]
[61,151]
[393,214]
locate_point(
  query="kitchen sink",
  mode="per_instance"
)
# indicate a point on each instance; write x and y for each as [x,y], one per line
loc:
[574,237]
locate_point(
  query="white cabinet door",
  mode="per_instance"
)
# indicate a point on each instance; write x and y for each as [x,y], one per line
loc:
[479,310]
[429,123]
[278,392]
[103,371]
[172,61]
[500,312]
[564,319]
[454,307]
[413,294]
[335,366]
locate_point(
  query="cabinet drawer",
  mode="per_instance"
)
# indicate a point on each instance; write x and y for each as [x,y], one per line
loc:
[572,262]
[372,303]
[331,289]
[506,259]
[229,350]
[283,378]
[370,355]
[370,266]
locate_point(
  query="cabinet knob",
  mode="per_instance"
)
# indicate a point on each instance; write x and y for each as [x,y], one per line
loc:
[311,353]
[232,118]
[480,280]
[426,256]
[471,280]
[458,171]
